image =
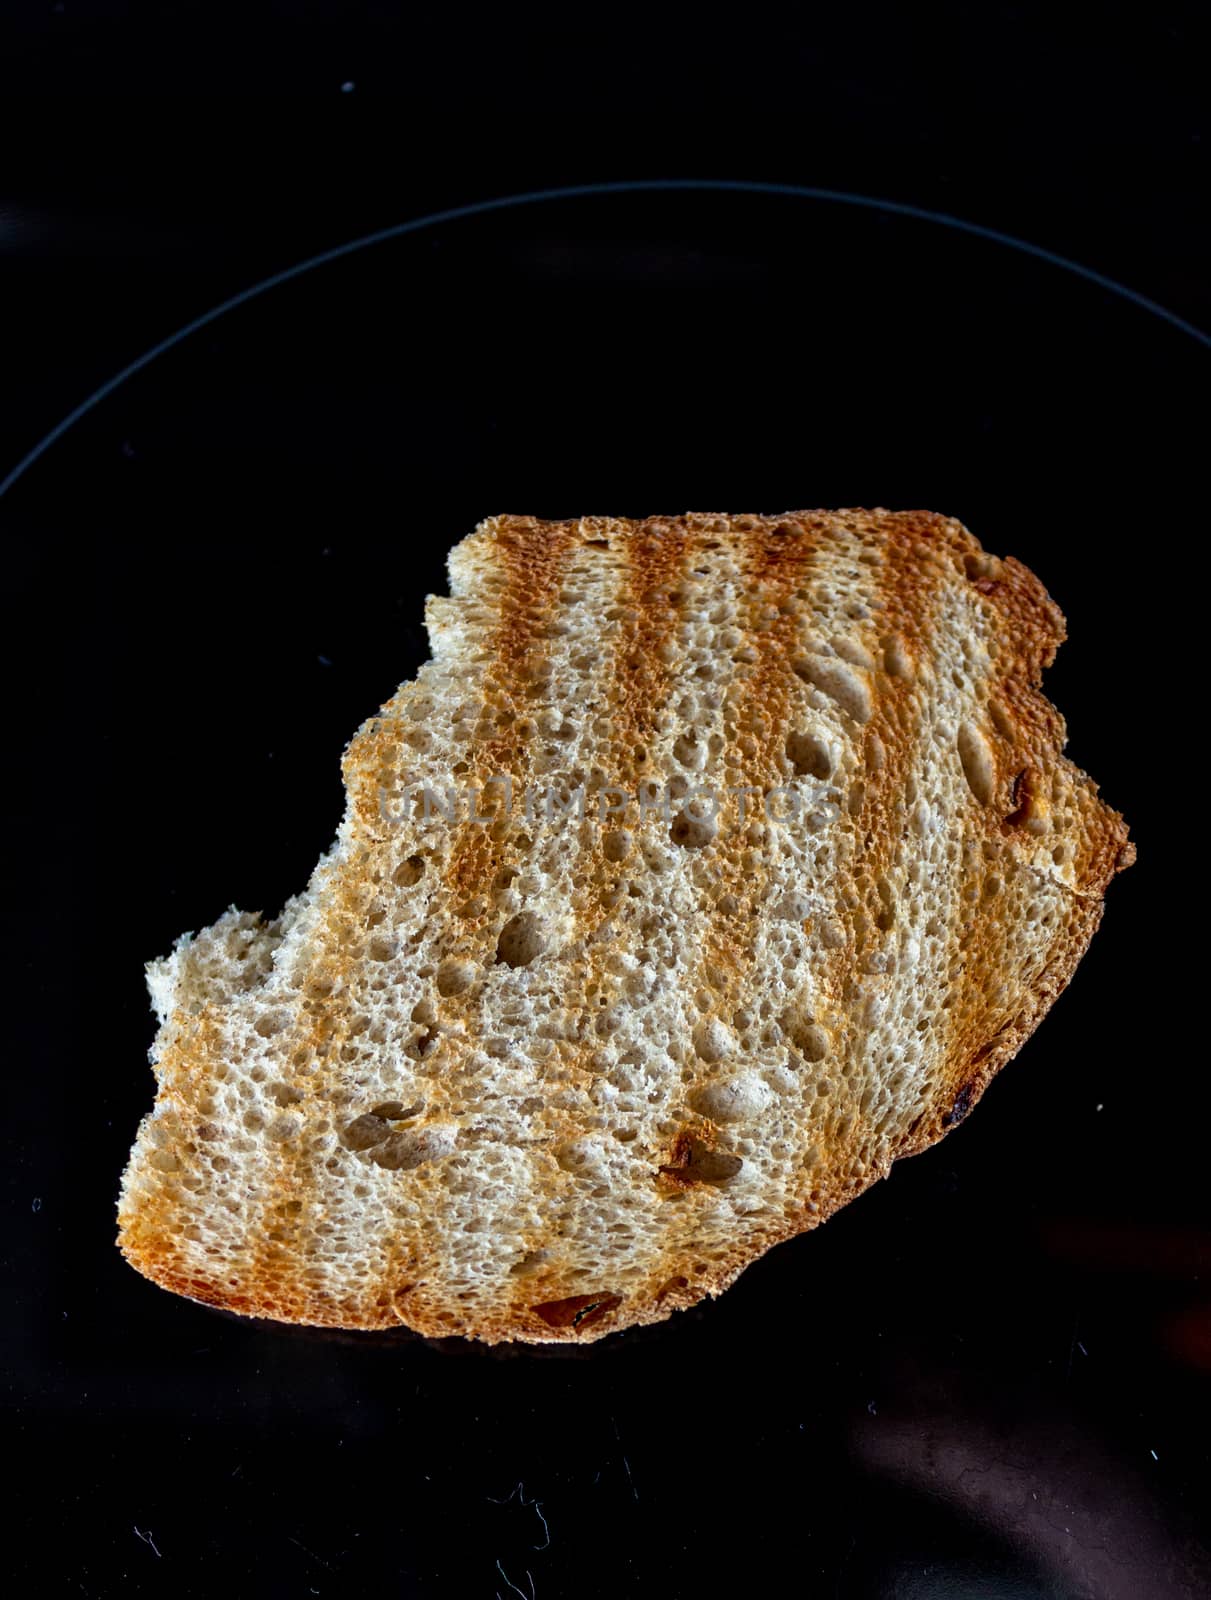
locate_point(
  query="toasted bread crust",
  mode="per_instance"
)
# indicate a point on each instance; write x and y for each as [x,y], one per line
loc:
[1026,815]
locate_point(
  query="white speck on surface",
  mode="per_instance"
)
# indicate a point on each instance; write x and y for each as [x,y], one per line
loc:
[347,87]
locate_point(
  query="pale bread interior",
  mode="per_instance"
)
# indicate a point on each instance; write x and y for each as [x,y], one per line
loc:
[543,1077]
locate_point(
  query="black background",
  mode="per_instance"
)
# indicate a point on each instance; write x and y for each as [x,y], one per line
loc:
[990,1375]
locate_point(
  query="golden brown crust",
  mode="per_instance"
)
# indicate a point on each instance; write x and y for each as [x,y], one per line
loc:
[1020,780]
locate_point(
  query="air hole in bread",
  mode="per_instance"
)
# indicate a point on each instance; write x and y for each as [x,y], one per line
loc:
[577,1309]
[396,1110]
[522,940]
[616,846]
[423,1045]
[364,1131]
[530,1262]
[885,917]
[413,1147]
[807,1036]
[1000,719]
[979,765]
[688,749]
[810,755]
[694,1162]
[409,872]
[271,1022]
[897,663]
[841,682]
[692,831]
[577,1155]
[455,977]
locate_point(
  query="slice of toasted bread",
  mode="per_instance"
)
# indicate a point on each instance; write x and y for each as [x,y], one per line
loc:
[772,860]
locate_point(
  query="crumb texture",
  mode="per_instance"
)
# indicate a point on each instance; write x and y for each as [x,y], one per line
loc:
[802,866]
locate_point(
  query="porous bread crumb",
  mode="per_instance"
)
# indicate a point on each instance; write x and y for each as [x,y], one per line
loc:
[537,1075]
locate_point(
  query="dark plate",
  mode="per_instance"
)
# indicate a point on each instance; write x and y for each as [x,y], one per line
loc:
[987,1377]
